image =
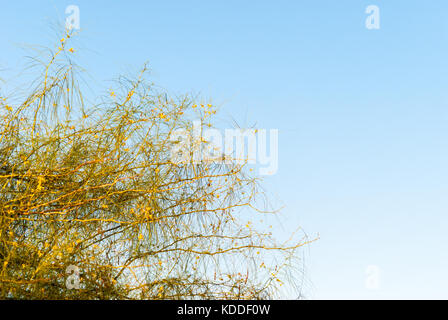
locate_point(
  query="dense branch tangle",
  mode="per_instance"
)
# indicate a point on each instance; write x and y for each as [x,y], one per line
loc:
[96,189]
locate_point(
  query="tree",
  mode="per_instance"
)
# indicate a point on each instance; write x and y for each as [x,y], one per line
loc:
[95,188]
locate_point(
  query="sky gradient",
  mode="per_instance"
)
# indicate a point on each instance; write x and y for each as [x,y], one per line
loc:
[362,114]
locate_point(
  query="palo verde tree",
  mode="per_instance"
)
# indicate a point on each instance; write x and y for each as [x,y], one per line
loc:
[94,187]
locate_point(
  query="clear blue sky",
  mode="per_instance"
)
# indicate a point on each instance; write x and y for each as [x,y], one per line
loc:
[362,114]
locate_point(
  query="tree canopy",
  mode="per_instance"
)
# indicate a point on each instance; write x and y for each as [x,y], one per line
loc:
[94,186]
